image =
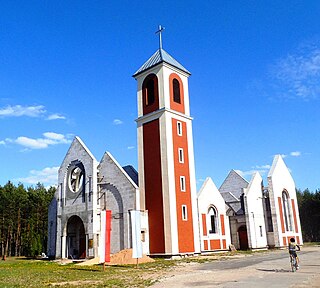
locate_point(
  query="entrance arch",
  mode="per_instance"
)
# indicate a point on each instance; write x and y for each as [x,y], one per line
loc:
[76,238]
[243,238]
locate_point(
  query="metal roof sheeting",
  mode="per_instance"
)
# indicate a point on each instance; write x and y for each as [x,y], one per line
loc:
[158,57]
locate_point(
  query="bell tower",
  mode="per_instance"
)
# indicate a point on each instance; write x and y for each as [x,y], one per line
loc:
[165,155]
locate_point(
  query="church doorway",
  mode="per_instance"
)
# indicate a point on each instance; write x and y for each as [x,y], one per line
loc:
[76,238]
[243,238]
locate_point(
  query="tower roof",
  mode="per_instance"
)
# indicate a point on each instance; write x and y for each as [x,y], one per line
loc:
[158,57]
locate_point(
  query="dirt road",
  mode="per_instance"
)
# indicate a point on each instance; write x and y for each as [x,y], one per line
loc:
[259,270]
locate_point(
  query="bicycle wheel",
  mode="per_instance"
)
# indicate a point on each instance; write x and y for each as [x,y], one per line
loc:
[293,262]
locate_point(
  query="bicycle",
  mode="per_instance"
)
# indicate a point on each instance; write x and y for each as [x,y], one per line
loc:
[293,262]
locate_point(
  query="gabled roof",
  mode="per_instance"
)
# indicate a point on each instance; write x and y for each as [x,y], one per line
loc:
[234,183]
[277,161]
[158,57]
[107,156]
[229,197]
[132,173]
[77,141]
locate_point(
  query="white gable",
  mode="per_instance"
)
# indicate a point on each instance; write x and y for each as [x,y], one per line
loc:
[210,195]
[279,178]
[255,220]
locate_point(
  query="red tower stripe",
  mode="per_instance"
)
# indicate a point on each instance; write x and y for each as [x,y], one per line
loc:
[185,227]
[153,185]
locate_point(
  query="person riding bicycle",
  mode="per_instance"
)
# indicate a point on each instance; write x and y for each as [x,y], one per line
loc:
[293,248]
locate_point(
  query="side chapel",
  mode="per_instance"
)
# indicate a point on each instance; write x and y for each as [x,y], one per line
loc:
[90,214]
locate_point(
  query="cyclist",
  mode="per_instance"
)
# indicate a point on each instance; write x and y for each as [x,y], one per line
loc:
[293,248]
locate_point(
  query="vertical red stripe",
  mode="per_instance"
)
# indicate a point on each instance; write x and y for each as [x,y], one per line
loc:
[205,244]
[294,216]
[281,214]
[224,244]
[108,236]
[223,232]
[284,241]
[185,228]
[204,224]
[153,185]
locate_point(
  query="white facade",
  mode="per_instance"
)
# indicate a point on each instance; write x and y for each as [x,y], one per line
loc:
[213,221]
[284,205]
[254,211]
[262,216]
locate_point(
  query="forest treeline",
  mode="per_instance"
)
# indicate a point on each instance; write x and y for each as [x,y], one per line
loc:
[24,219]
[309,209]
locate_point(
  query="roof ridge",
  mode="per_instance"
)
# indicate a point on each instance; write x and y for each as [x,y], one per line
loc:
[158,57]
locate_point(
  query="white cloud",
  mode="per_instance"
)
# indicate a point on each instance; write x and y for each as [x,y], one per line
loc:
[130,147]
[297,76]
[55,117]
[29,111]
[50,138]
[261,169]
[31,143]
[117,122]
[18,111]
[295,153]
[47,176]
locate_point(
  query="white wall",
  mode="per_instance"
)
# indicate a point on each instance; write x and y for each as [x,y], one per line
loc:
[209,196]
[255,221]
[280,179]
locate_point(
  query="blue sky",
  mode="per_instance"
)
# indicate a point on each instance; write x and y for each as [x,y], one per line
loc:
[66,69]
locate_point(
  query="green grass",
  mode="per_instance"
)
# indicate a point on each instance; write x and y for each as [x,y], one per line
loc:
[311,243]
[20,272]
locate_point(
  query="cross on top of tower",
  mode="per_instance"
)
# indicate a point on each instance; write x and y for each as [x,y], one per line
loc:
[160,29]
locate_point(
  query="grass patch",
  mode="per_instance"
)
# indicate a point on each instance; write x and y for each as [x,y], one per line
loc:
[23,272]
[311,243]
[20,272]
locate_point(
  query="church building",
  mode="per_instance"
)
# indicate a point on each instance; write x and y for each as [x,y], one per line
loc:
[259,216]
[91,215]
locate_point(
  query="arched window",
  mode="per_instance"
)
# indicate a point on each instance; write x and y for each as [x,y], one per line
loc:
[176,91]
[150,92]
[286,211]
[213,220]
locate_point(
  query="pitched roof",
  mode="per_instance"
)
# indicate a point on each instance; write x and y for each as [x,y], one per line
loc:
[158,57]
[133,174]
[234,183]
[233,203]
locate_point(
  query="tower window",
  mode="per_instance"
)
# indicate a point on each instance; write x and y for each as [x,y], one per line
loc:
[182,183]
[184,213]
[181,156]
[179,128]
[150,92]
[176,91]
